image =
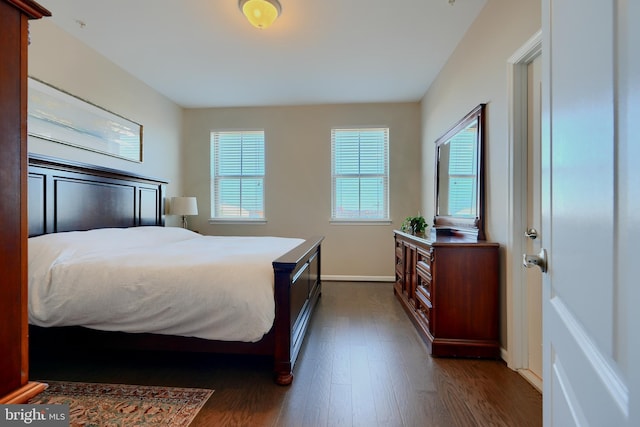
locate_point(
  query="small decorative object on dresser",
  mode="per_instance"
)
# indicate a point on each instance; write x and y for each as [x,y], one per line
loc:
[415,224]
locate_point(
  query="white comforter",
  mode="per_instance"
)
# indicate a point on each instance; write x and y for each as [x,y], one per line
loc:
[155,279]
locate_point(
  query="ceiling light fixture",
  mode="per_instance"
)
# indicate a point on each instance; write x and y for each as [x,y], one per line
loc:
[260,13]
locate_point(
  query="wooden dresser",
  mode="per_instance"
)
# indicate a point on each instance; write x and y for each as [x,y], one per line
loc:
[448,285]
[14,355]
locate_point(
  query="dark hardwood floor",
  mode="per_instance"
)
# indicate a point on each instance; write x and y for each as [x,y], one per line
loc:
[362,364]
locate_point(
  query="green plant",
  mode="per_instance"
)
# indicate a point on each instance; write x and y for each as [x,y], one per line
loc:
[414,224]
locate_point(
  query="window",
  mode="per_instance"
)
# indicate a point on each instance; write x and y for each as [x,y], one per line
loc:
[360,174]
[237,175]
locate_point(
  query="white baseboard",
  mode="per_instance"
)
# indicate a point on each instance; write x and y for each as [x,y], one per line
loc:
[532,378]
[339,278]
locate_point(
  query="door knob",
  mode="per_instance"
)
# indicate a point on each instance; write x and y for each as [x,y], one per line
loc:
[539,260]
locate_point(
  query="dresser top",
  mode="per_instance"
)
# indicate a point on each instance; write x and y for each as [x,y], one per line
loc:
[444,238]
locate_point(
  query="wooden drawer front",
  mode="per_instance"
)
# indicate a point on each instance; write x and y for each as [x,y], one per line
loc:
[423,295]
[424,285]
[424,305]
[399,262]
[425,259]
[399,252]
[423,268]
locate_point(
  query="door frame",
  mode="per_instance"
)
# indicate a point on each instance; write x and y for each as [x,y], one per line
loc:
[517,324]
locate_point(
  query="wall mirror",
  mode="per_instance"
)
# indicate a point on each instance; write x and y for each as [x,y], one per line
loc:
[459,180]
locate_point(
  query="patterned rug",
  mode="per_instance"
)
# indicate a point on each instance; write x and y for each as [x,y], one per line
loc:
[102,405]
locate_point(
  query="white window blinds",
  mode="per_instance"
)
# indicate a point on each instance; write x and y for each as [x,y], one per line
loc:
[360,174]
[237,175]
[462,174]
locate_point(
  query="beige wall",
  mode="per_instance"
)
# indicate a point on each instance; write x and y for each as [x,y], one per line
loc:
[298,177]
[477,73]
[57,58]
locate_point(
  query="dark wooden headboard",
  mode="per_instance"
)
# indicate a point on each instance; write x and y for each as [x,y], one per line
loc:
[73,196]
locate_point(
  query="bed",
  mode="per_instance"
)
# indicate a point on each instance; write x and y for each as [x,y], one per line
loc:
[76,205]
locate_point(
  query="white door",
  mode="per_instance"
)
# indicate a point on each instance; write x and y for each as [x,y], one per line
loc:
[533,225]
[590,321]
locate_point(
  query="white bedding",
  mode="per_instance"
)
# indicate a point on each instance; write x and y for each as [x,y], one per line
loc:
[155,279]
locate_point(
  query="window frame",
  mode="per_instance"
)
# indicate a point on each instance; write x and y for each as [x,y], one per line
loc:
[385,175]
[215,178]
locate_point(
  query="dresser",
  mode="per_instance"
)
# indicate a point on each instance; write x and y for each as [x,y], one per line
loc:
[14,355]
[448,284]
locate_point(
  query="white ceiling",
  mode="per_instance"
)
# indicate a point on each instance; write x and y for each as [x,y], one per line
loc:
[203,53]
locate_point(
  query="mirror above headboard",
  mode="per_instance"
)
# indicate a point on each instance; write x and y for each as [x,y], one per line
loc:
[459,178]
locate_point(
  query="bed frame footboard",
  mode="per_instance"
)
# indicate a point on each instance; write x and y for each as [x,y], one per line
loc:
[297,288]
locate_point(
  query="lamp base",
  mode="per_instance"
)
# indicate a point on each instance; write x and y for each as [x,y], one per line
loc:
[184,222]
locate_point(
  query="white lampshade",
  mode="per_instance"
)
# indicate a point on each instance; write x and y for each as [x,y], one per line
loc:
[184,206]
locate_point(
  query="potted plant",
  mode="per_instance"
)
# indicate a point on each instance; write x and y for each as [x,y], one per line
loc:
[414,225]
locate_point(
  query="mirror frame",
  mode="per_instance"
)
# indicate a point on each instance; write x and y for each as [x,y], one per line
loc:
[447,224]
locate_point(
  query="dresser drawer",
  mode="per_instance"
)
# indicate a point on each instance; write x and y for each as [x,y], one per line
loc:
[424,285]
[424,306]
[423,294]
[423,269]
[399,254]
[425,257]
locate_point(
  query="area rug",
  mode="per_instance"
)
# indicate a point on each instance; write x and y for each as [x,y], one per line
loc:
[103,405]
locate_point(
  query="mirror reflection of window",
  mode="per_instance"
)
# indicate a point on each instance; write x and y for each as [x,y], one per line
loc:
[462,191]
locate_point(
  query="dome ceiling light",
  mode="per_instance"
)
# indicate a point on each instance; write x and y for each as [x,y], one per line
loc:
[260,13]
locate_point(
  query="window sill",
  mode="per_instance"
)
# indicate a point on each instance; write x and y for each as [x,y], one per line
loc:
[360,222]
[237,221]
